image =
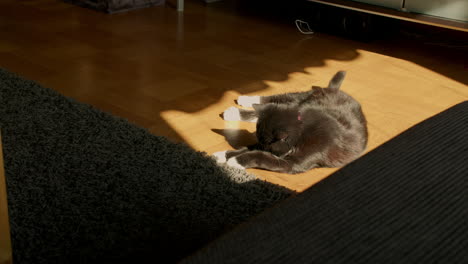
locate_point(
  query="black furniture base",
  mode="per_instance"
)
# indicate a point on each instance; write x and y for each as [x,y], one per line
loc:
[115,6]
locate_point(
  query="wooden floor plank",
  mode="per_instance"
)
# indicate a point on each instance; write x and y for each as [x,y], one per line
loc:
[174,72]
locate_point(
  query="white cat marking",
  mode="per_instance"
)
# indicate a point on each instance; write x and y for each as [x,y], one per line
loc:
[248,101]
[232,114]
[234,163]
[220,156]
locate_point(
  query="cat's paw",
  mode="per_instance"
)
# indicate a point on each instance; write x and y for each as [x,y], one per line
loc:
[232,162]
[220,156]
[248,101]
[232,114]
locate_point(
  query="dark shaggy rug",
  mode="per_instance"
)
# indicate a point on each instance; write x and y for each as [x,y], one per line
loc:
[87,187]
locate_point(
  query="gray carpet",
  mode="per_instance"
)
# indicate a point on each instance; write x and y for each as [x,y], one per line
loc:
[87,187]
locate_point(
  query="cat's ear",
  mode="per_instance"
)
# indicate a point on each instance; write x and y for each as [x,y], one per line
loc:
[258,107]
[336,81]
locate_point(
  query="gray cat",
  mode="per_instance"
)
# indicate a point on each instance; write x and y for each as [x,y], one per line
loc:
[296,132]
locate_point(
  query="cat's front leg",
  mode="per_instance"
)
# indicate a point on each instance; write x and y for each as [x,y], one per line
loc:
[224,156]
[260,160]
[228,158]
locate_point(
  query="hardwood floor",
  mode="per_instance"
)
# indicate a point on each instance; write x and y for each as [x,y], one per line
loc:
[174,73]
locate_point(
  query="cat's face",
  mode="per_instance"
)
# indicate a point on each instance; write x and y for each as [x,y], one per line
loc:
[278,128]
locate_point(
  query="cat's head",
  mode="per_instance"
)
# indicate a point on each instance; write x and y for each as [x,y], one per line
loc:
[278,128]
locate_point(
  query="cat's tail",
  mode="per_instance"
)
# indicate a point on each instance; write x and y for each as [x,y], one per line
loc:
[336,81]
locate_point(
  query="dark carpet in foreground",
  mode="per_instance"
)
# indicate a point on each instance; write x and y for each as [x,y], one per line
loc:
[87,187]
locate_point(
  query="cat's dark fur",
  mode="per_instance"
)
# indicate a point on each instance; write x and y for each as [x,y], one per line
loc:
[323,127]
